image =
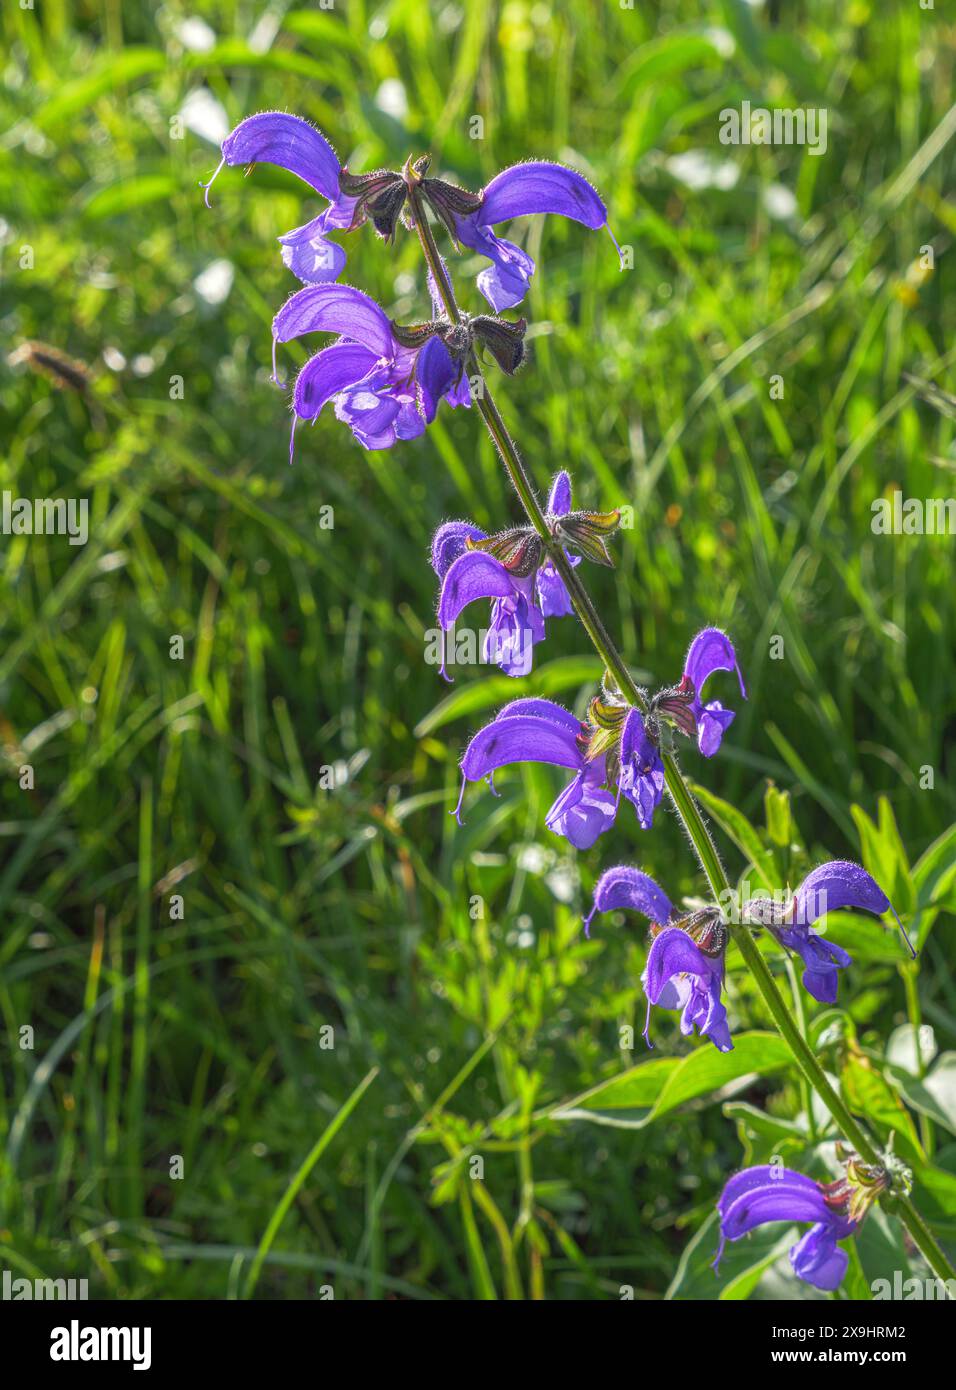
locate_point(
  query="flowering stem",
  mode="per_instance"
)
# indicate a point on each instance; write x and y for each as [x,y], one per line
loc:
[680,794]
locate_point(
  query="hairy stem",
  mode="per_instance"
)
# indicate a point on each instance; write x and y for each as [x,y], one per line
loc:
[684,804]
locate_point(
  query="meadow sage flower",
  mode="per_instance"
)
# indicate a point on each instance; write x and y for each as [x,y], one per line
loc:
[382,389]
[835,885]
[772,1193]
[534,187]
[514,570]
[606,764]
[685,963]
[710,651]
[273,137]
[540,731]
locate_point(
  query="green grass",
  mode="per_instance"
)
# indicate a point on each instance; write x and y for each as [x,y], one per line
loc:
[304,909]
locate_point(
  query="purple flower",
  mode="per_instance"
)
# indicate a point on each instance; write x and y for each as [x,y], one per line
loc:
[606,764]
[382,390]
[710,651]
[514,571]
[525,188]
[685,965]
[273,137]
[641,774]
[832,886]
[540,731]
[770,1193]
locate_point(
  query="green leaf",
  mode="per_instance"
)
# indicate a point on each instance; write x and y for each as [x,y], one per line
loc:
[127,194]
[111,70]
[780,826]
[937,1199]
[936,867]
[935,1095]
[881,1248]
[652,1089]
[884,857]
[742,1285]
[902,1050]
[625,1100]
[868,1093]
[762,1135]
[934,874]
[323,28]
[742,1265]
[490,693]
[671,55]
[707,1070]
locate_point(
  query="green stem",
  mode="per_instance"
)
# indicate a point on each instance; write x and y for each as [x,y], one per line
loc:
[801,1016]
[680,794]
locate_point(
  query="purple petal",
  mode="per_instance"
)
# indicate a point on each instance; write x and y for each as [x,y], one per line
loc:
[705,1012]
[823,960]
[459,393]
[370,412]
[777,1201]
[309,255]
[518,739]
[624,887]
[672,952]
[542,709]
[435,373]
[413,415]
[505,282]
[553,594]
[539,186]
[473,575]
[335,309]
[516,625]
[711,650]
[818,1260]
[273,137]
[642,772]
[448,543]
[328,373]
[833,886]
[712,723]
[582,812]
[759,1176]
[559,498]
[636,747]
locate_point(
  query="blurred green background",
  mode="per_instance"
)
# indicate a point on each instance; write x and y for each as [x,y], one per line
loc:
[205,1034]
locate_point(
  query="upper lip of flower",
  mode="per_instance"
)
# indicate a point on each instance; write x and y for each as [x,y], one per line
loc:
[537,186]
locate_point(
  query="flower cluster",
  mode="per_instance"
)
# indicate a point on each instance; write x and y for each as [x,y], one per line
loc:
[615,750]
[385,386]
[685,963]
[386,381]
[770,1192]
